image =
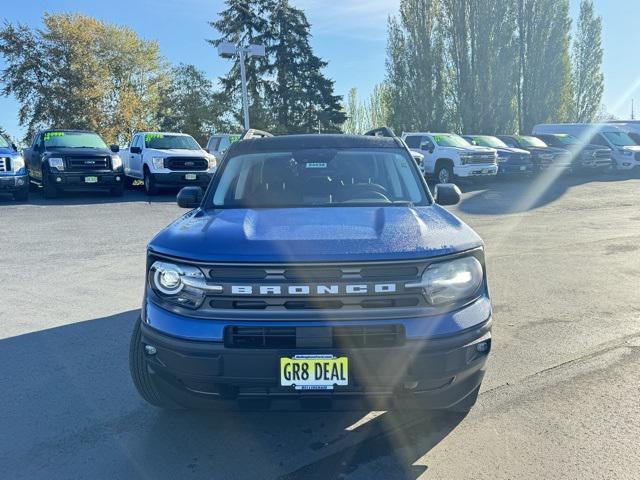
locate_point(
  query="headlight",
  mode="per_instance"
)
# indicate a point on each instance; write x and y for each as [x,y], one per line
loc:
[213,163]
[17,163]
[452,281]
[116,162]
[546,156]
[183,285]
[465,159]
[626,153]
[57,163]
[158,162]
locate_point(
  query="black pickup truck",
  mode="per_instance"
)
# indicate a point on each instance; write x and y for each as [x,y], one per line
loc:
[74,160]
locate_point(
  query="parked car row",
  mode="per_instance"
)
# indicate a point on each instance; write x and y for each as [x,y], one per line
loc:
[570,147]
[70,160]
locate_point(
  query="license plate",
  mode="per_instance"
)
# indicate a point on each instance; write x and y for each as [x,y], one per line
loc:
[90,179]
[314,372]
[190,176]
[485,170]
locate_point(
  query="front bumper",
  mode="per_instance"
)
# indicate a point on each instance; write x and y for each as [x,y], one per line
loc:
[475,170]
[507,168]
[179,179]
[430,372]
[13,183]
[84,180]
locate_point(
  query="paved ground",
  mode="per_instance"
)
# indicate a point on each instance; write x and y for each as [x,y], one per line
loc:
[560,399]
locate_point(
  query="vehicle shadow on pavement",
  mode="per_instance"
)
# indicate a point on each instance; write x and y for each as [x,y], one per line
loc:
[69,409]
[517,195]
[90,198]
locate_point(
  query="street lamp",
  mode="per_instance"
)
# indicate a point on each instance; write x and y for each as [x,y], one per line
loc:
[228,50]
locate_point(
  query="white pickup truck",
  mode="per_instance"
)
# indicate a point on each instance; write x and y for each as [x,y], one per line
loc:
[167,160]
[447,156]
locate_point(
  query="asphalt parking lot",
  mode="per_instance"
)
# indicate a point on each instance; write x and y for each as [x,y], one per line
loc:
[560,399]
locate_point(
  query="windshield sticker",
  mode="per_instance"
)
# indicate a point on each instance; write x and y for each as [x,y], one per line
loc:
[150,136]
[438,138]
[49,135]
[234,138]
[316,165]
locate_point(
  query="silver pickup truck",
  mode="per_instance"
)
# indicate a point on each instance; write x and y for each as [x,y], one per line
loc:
[167,160]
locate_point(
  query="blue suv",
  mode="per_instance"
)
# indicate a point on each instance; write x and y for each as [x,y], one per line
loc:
[315,269]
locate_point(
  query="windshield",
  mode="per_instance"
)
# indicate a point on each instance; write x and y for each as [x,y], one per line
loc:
[73,140]
[319,177]
[450,140]
[492,142]
[531,142]
[4,143]
[566,139]
[619,139]
[161,141]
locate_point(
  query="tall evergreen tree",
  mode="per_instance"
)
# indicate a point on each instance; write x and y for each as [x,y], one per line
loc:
[588,80]
[245,22]
[544,93]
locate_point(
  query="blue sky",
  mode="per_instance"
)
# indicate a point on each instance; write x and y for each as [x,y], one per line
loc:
[349,34]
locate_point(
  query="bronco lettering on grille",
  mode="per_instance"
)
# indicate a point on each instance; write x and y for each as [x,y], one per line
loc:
[355,289]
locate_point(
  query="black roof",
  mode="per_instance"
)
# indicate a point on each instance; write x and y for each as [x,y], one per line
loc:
[299,142]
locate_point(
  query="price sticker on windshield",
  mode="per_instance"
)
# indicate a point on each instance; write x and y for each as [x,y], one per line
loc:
[150,136]
[316,165]
[49,135]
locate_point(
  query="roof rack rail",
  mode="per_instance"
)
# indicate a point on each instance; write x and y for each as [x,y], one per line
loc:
[254,133]
[381,132]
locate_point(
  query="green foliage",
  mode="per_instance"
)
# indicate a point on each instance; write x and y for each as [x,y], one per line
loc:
[288,92]
[190,104]
[369,114]
[79,72]
[588,80]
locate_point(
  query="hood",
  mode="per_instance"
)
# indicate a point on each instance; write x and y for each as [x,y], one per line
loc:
[541,150]
[512,151]
[79,152]
[177,152]
[315,234]
[7,151]
[633,148]
[471,149]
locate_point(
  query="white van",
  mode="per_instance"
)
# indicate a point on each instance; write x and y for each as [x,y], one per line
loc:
[632,127]
[624,150]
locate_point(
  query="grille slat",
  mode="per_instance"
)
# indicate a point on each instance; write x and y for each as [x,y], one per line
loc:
[5,164]
[360,336]
[88,164]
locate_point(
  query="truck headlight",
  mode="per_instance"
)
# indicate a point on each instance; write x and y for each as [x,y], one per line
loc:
[179,284]
[464,159]
[158,162]
[213,163]
[17,163]
[626,153]
[451,281]
[56,163]
[116,162]
[546,156]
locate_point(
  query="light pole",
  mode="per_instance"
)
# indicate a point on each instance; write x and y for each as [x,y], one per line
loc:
[228,50]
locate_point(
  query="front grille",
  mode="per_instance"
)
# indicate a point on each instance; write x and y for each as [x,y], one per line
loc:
[359,336]
[603,154]
[483,158]
[186,163]
[88,163]
[5,164]
[311,273]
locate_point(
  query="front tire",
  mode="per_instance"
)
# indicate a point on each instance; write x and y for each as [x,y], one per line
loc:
[142,378]
[444,173]
[150,186]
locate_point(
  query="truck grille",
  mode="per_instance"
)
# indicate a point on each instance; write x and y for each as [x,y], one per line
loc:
[481,158]
[88,163]
[358,336]
[5,164]
[186,163]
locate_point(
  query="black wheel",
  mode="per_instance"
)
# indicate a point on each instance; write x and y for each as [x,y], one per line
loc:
[128,182]
[48,189]
[21,195]
[150,186]
[141,377]
[444,173]
[117,191]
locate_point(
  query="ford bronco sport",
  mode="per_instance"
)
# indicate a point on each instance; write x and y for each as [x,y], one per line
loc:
[315,268]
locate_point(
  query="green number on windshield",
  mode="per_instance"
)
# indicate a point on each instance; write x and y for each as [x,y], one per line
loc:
[49,135]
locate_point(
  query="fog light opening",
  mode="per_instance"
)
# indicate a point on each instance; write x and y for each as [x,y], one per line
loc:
[117,179]
[58,179]
[410,385]
[150,350]
[482,347]
[20,181]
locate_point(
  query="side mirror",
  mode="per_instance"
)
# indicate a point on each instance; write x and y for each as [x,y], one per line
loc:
[14,146]
[190,197]
[115,148]
[135,150]
[447,194]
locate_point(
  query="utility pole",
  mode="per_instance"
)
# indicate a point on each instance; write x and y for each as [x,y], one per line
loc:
[228,50]
[632,110]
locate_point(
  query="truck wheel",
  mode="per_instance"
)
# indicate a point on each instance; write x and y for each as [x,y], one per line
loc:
[149,184]
[128,182]
[48,189]
[141,377]
[444,173]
